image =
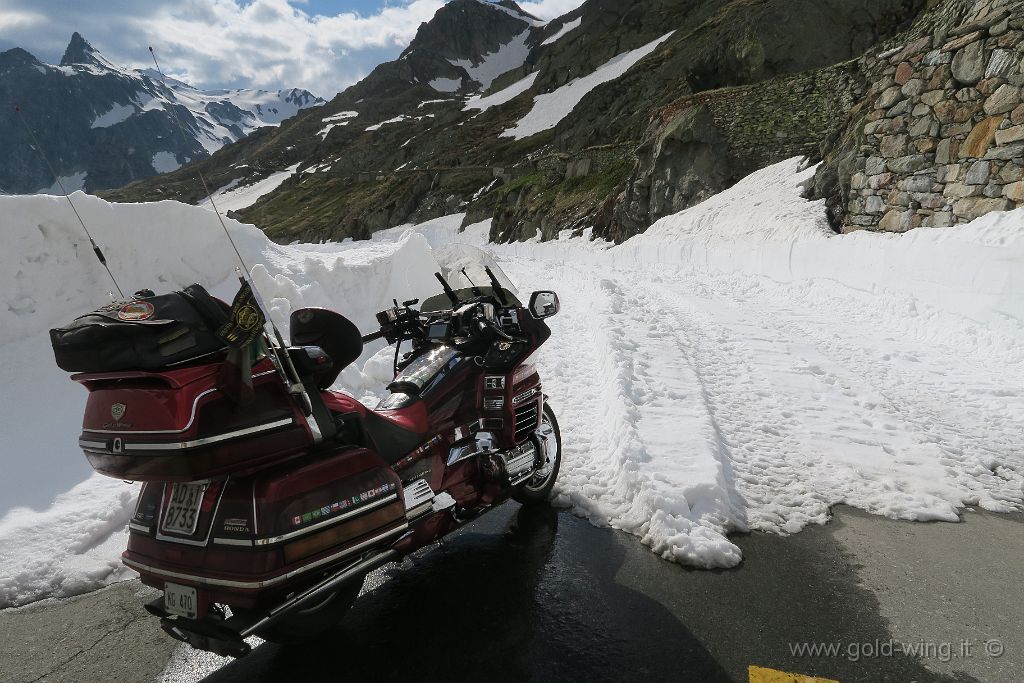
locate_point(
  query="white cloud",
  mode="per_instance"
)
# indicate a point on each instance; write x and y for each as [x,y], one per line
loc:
[231,43]
[223,43]
[549,9]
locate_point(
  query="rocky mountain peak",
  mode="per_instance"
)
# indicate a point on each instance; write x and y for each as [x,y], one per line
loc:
[80,51]
[16,57]
[470,29]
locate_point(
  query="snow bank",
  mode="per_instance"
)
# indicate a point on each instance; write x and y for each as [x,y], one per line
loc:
[550,108]
[71,548]
[975,270]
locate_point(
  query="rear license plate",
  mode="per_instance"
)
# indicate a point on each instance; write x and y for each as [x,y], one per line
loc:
[182,515]
[181,600]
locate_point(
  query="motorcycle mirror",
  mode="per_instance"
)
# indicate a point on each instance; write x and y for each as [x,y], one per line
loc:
[544,304]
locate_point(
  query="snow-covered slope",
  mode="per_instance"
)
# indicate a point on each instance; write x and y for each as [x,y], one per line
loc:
[550,108]
[745,369]
[225,116]
[115,124]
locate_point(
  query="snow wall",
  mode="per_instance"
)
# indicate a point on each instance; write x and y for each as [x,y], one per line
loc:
[762,226]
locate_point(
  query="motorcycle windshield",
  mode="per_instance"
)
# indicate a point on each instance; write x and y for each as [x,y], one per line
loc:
[455,258]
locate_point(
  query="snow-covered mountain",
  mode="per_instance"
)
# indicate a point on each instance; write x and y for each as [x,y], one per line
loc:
[103,126]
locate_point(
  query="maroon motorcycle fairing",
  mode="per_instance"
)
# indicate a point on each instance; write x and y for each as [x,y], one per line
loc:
[280,513]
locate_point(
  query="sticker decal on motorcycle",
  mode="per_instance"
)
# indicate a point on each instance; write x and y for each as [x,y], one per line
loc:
[338,506]
[136,311]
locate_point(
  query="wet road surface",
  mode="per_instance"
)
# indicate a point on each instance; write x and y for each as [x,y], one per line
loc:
[536,595]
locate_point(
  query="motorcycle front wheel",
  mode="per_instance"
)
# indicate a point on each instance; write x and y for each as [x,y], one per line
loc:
[537,489]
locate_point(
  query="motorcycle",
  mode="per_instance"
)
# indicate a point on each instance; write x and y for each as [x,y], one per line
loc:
[262,509]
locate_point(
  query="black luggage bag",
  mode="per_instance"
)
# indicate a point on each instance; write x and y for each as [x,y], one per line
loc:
[146,333]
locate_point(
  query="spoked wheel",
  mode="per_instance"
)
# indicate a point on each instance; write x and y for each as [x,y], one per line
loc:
[537,489]
[311,622]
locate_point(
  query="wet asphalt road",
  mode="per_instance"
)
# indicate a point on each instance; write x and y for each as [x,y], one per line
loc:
[535,595]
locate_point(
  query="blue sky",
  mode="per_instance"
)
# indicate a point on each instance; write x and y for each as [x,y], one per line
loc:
[321,45]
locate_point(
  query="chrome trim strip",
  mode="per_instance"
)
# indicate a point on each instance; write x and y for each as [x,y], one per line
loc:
[526,394]
[328,522]
[134,526]
[188,425]
[205,580]
[233,541]
[419,510]
[206,441]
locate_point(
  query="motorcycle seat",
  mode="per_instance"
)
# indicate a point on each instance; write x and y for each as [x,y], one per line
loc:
[393,437]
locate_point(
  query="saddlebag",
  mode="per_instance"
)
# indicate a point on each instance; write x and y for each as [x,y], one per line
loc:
[182,425]
[146,333]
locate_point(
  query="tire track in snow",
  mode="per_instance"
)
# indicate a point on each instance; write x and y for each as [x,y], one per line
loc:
[703,404]
[957,407]
[875,439]
[640,448]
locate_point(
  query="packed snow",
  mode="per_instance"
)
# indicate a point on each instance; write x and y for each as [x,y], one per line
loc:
[745,367]
[235,197]
[566,28]
[446,84]
[510,56]
[340,116]
[67,183]
[117,114]
[378,126]
[550,108]
[502,96]
[165,162]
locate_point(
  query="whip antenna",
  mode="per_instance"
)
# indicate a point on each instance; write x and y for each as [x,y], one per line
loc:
[206,188]
[95,247]
[284,364]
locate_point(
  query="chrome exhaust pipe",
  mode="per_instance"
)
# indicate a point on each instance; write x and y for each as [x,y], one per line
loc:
[329,584]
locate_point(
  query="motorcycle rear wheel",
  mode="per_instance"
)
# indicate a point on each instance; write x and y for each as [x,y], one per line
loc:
[310,623]
[537,489]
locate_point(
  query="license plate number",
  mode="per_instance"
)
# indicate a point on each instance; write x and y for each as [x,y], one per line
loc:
[181,600]
[182,515]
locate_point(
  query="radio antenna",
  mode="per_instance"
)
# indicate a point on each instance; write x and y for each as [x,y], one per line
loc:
[95,247]
[202,179]
[285,366]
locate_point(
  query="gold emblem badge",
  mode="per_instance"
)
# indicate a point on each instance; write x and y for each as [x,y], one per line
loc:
[117,411]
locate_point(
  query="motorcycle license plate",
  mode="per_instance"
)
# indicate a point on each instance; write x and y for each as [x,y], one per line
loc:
[181,600]
[182,515]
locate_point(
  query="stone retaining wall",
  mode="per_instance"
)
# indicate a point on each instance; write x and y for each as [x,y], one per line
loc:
[941,127]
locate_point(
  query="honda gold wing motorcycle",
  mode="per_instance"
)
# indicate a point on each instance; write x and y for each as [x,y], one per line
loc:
[267,497]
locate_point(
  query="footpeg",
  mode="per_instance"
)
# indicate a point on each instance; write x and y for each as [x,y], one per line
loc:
[418,498]
[442,501]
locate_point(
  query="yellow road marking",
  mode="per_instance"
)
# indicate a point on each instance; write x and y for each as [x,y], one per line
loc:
[761,675]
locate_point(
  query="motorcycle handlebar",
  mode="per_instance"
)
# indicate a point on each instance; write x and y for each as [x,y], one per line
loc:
[373,337]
